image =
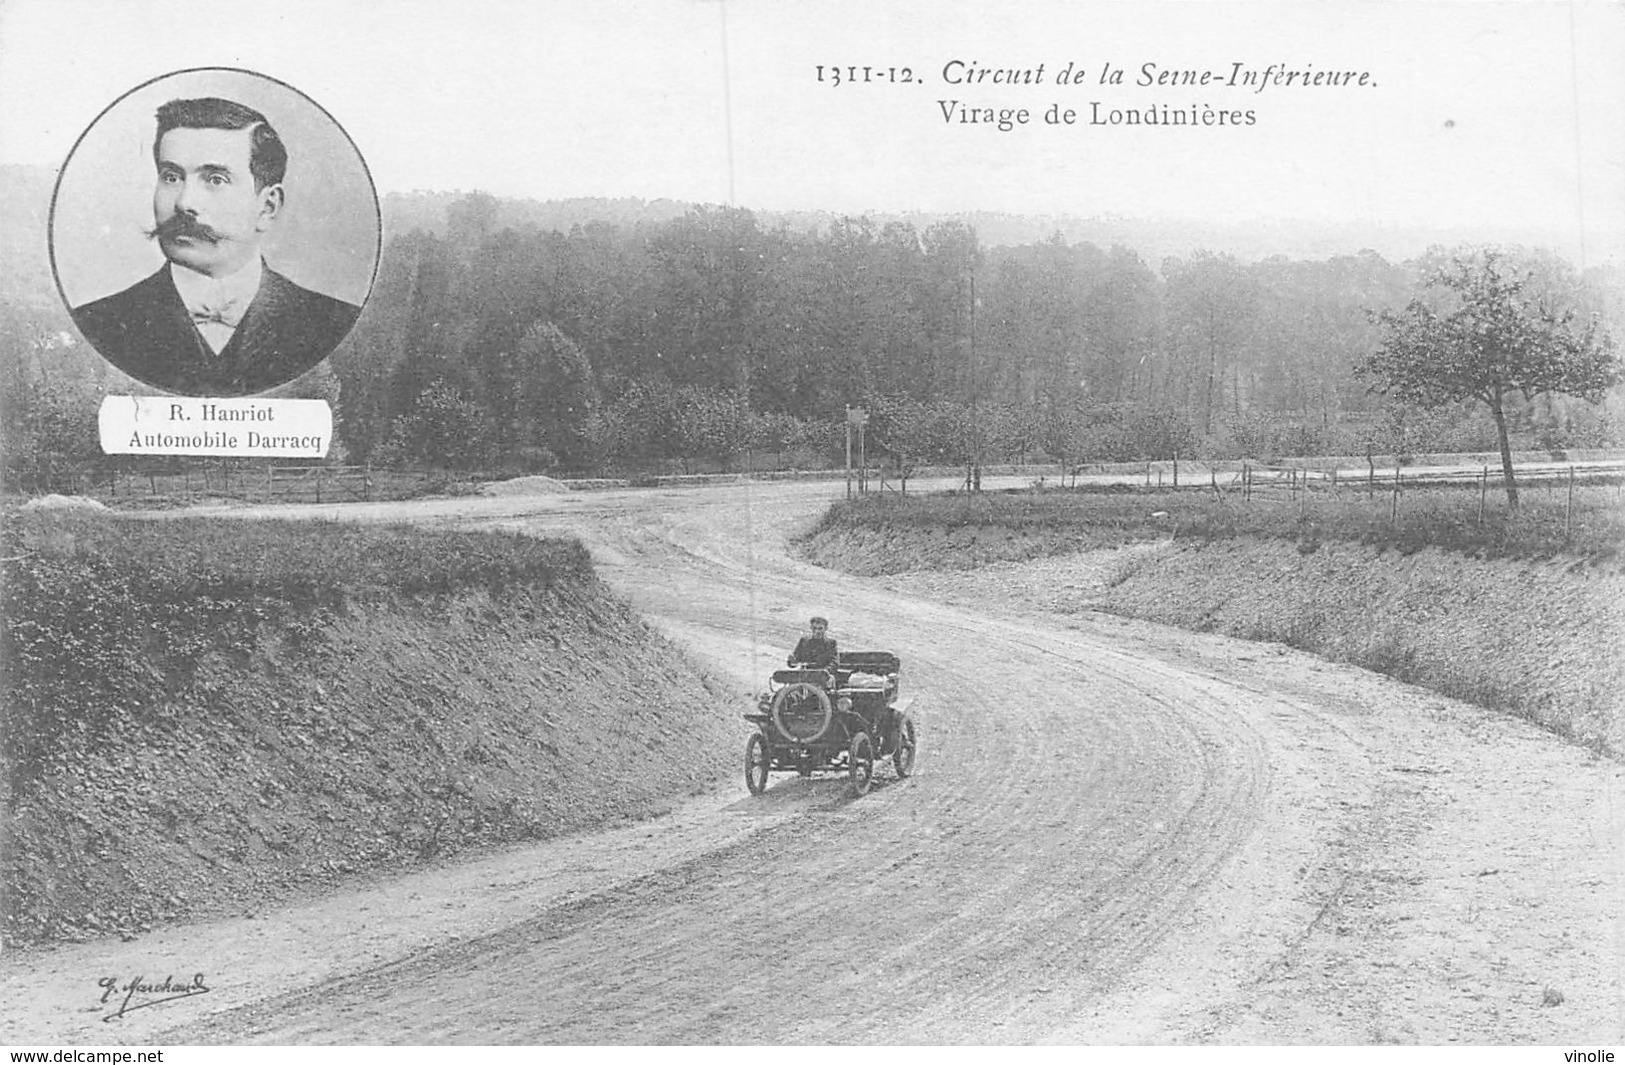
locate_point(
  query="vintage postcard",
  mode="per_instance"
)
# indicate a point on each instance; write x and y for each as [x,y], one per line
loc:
[714,522]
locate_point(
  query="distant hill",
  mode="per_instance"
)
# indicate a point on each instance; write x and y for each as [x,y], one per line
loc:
[1153,239]
[25,198]
[404,212]
[25,208]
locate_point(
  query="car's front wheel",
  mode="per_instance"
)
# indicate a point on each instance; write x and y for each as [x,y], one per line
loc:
[757,760]
[902,758]
[861,763]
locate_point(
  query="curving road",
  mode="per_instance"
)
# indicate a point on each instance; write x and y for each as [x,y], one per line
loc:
[1116,833]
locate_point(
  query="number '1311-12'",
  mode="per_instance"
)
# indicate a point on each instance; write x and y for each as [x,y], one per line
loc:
[864,75]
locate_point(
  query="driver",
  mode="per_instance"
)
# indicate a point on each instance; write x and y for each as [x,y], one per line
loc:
[816,651]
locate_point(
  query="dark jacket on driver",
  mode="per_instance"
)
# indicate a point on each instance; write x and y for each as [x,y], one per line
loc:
[815,651]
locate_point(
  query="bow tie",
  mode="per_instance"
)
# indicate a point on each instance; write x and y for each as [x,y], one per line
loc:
[227,313]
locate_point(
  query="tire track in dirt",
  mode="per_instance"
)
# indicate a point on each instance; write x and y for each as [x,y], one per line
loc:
[1073,807]
[1120,833]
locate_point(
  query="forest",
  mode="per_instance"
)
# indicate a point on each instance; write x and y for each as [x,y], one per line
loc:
[711,337]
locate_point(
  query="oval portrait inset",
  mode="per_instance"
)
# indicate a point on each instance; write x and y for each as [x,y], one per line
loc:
[214,233]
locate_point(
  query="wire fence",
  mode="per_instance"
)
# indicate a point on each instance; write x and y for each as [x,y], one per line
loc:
[194,480]
[1549,487]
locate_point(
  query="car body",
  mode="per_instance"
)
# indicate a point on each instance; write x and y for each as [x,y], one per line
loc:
[832,721]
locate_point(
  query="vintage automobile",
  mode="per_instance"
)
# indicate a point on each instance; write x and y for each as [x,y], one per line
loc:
[831,721]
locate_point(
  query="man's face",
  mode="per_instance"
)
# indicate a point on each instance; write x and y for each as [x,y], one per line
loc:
[209,215]
[818,628]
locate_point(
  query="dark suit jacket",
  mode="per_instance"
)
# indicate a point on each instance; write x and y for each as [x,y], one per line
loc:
[816,651]
[146,332]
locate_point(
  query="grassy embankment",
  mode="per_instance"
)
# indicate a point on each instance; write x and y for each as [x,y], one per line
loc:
[206,716]
[1519,612]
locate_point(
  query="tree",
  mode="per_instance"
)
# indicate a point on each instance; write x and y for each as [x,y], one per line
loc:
[952,254]
[713,424]
[1212,302]
[556,395]
[1488,339]
[775,432]
[710,270]
[471,219]
[904,429]
[1065,436]
[652,428]
[444,429]
[1015,431]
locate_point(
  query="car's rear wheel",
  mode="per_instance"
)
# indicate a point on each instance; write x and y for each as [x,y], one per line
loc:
[902,758]
[861,763]
[757,760]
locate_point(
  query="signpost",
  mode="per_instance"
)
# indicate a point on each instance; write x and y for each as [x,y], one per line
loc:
[856,419]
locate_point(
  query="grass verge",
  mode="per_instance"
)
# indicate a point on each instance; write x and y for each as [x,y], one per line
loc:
[1018,524]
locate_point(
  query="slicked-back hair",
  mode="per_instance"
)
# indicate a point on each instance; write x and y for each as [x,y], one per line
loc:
[267,158]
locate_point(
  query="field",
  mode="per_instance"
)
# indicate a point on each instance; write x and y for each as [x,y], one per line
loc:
[1586,522]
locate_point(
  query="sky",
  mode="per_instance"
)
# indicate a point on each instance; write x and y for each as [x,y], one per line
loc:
[1474,114]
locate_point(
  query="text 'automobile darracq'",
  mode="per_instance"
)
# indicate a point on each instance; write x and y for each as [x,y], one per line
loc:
[830,721]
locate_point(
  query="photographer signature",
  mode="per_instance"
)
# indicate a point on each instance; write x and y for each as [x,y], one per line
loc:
[170,988]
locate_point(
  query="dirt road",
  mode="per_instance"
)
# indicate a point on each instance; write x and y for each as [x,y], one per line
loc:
[1116,833]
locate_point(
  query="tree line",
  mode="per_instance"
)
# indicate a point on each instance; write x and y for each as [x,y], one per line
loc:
[695,341]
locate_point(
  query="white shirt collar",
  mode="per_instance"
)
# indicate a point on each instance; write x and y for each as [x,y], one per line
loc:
[200,290]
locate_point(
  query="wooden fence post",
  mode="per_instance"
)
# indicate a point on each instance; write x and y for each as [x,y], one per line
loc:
[1393,509]
[1483,490]
[1568,511]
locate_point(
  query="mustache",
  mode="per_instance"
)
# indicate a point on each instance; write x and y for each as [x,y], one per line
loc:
[181,224]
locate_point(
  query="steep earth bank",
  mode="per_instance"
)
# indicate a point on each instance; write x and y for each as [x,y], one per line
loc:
[1540,639]
[390,732]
